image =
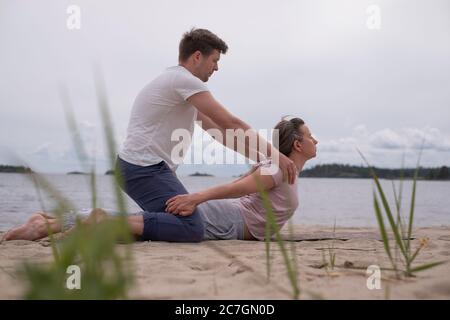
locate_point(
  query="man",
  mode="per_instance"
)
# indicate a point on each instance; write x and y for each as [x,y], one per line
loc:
[174,100]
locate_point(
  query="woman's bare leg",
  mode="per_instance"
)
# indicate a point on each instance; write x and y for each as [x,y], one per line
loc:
[37,227]
[135,222]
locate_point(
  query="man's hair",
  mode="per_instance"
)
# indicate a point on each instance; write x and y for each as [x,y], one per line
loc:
[289,131]
[202,40]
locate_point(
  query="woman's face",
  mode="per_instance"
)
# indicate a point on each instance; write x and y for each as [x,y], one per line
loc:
[308,143]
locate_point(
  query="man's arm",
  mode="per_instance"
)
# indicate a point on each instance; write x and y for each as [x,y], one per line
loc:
[211,108]
[208,124]
[217,116]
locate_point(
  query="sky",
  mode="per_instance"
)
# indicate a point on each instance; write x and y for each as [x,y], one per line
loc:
[373,75]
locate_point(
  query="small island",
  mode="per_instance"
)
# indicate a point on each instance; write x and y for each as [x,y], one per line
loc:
[199,174]
[14,169]
[76,172]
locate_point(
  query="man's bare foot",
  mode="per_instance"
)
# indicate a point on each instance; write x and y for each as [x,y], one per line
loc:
[35,228]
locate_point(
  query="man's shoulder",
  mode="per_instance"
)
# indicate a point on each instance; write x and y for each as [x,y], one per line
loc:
[164,79]
[175,74]
[175,81]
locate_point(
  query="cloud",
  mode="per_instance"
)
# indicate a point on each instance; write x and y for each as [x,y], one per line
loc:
[53,155]
[411,138]
[338,145]
[387,146]
[388,139]
[42,151]
[360,130]
[318,62]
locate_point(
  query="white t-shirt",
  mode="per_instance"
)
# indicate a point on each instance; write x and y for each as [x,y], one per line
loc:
[159,109]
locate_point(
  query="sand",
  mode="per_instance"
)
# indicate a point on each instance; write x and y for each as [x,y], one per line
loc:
[237,269]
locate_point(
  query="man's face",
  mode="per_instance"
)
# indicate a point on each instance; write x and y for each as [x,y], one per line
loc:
[207,65]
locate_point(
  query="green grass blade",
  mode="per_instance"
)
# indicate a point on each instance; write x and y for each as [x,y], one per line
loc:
[331,252]
[412,206]
[426,266]
[271,219]
[267,246]
[400,194]
[293,247]
[415,254]
[413,198]
[108,129]
[39,194]
[93,183]
[411,213]
[399,220]
[384,235]
[290,269]
[55,251]
[109,136]
[397,199]
[388,212]
[73,128]
[63,205]
[387,209]
[78,142]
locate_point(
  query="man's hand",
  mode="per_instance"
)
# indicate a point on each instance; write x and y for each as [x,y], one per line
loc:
[183,204]
[288,168]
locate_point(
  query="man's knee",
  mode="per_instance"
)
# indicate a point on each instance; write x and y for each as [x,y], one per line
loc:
[196,229]
[197,232]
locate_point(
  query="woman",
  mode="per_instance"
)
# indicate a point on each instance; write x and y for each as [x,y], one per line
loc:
[231,211]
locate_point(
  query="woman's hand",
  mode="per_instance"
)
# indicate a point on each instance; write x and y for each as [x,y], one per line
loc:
[288,167]
[183,204]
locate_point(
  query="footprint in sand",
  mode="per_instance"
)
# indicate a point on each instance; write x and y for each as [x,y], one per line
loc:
[204,266]
[180,280]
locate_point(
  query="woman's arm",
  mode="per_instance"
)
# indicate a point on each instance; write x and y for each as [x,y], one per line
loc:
[249,172]
[185,204]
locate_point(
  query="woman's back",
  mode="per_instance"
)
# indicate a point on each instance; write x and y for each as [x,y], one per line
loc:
[283,199]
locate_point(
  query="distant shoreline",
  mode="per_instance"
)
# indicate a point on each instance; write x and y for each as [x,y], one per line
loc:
[319,171]
[14,169]
[359,172]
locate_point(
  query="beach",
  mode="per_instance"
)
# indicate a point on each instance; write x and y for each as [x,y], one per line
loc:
[236,269]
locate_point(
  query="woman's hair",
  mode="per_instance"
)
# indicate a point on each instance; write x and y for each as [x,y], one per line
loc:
[289,131]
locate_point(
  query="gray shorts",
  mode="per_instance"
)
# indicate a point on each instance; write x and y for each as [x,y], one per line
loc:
[222,220]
